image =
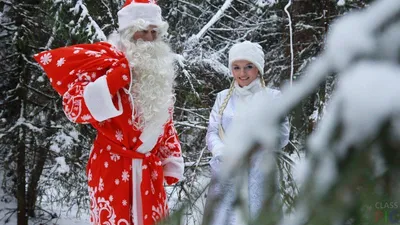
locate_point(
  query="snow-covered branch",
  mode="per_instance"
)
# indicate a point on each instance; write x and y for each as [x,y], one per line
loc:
[214,19]
[85,13]
[291,42]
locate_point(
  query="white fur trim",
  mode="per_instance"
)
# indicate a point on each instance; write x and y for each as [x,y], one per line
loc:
[249,51]
[137,209]
[98,100]
[174,167]
[150,13]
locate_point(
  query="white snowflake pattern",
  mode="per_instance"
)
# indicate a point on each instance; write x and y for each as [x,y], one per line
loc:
[109,71]
[99,68]
[118,135]
[144,167]
[46,58]
[116,181]
[115,157]
[77,50]
[158,211]
[83,76]
[58,83]
[165,151]
[115,50]
[146,192]
[86,117]
[125,77]
[106,164]
[153,190]
[108,147]
[134,139]
[90,176]
[146,216]
[155,216]
[94,156]
[72,72]
[93,53]
[125,176]
[111,198]
[124,202]
[154,175]
[60,62]
[101,185]
[171,146]
[94,75]
[123,65]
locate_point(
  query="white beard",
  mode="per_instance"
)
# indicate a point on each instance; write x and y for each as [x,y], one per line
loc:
[153,80]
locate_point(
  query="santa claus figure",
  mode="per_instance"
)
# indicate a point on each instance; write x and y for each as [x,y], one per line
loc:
[124,89]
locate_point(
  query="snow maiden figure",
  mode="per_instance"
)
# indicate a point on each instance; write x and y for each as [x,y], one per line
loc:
[124,89]
[246,63]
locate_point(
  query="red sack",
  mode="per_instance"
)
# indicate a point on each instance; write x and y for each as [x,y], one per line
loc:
[84,62]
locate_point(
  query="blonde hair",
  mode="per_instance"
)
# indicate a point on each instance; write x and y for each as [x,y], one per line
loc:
[221,131]
[228,96]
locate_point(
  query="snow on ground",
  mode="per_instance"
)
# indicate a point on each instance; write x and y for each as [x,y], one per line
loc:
[65,217]
[71,217]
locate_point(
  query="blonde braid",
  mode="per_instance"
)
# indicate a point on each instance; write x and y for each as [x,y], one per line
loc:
[221,131]
[225,102]
[262,81]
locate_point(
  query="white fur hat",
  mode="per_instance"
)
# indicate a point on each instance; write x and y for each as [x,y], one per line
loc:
[249,51]
[134,10]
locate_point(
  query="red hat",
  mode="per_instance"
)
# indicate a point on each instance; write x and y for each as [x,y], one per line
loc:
[134,10]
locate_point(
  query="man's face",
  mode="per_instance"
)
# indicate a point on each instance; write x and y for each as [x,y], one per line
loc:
[149,34]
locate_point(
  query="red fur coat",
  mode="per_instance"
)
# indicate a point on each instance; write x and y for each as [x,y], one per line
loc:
[127,166]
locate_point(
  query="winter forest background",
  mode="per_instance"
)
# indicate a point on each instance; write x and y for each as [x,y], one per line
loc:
[345,74]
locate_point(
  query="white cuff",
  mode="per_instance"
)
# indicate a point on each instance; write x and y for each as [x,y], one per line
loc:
[99,100]
[173,167]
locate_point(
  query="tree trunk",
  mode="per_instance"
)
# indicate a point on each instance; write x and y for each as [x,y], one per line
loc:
[21,194]
[310,24]
[34,180]
[21,48]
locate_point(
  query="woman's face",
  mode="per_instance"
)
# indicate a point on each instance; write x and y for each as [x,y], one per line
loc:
[149,34]
[244,72]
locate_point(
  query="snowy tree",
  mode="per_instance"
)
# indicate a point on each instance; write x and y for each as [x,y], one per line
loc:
[349,174]
[34,132]
[44,155]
